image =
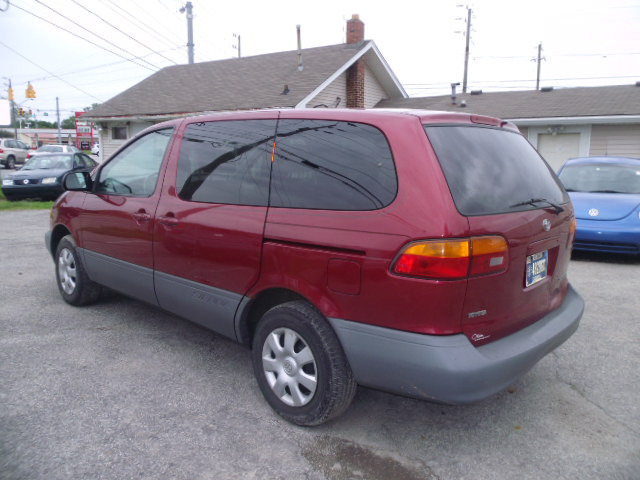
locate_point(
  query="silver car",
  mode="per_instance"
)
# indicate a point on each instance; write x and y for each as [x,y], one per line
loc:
[12,152]
[53,148]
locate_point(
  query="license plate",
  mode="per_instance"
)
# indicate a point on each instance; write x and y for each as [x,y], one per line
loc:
[537,265]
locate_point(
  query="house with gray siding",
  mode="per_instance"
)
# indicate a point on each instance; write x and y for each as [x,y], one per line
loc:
[349,75]
[560,123]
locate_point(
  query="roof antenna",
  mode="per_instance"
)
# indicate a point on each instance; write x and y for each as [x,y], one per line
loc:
[300,66]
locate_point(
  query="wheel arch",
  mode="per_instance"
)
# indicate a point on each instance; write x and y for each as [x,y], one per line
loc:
[57,234]
[251,310]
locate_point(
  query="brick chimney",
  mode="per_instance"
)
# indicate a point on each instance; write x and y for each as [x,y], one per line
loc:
[355,73]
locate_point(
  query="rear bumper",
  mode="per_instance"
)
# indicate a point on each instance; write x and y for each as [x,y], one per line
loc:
[450,369]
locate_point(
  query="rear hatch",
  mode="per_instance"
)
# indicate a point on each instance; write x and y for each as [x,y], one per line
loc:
[505,189]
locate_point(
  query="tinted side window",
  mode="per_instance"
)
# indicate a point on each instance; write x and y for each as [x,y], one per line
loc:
[490,170]
[226,162]
[134,171]
[332,165]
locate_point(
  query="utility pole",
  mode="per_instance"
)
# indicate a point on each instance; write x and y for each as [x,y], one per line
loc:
[13,111]
[237,46]
[189,9]
[466,52]
[539,62]
[58,117]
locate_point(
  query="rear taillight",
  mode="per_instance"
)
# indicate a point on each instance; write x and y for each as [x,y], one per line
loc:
[572,231]
[1,150]
[453,259]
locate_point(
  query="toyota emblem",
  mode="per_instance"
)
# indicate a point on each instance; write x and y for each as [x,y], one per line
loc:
[546,224]
[594,212]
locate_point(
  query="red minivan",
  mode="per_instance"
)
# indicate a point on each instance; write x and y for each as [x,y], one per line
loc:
[420,253]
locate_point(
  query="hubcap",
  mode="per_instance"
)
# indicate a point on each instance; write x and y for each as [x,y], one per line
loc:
[67,271]
[289,367]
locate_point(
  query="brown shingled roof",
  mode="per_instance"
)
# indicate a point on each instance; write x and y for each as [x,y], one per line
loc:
[233,84]
[567,102]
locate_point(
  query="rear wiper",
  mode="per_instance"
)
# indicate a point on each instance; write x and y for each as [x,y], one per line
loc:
[605,191]
[533,202]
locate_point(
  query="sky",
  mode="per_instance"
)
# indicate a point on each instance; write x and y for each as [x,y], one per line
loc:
[88,51]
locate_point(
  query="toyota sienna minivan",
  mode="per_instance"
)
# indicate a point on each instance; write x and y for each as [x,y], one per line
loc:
[420,253]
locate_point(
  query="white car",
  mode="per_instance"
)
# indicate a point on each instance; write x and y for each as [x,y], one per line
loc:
[53,149]
[96,148]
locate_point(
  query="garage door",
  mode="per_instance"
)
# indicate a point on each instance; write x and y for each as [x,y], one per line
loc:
[556,149]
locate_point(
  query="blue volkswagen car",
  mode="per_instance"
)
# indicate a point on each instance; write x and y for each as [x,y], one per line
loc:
[606,196]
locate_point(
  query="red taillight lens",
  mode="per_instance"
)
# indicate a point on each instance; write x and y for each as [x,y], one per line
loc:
[434,259]
[453,259]
[1,150]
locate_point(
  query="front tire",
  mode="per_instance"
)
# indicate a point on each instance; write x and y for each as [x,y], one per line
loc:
[73,282]
[300,366]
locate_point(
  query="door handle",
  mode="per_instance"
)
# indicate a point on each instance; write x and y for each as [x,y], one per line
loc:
[168,220]
[141,216]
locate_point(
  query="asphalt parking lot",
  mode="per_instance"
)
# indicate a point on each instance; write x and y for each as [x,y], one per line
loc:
[120,390]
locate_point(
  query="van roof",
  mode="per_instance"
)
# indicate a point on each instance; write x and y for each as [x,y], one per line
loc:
[425,116]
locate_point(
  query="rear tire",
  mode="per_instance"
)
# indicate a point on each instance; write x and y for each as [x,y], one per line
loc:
[11,162]
[73,282]
[300,365]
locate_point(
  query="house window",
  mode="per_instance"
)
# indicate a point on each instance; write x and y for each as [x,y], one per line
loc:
[119,133]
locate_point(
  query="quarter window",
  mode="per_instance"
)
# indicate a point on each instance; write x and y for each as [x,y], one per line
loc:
[134,171]
[226,162]
[332,165]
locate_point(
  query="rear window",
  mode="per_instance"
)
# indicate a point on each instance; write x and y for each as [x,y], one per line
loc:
[491,170]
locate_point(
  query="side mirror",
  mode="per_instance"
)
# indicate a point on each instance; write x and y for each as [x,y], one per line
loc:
[77,182]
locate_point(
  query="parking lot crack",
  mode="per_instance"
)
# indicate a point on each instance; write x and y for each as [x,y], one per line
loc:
[582,394]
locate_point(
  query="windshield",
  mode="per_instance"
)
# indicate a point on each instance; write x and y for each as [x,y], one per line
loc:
[492,170]
[48,162]
[50,149]
[605,178]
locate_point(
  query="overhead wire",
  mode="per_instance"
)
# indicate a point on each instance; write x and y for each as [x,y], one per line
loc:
[82,38]
[124,33]
[96,67]
[50,73]
[127,16]
[90,31]
[148,15]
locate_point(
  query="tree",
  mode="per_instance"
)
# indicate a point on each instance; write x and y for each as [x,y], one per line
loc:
[69,122]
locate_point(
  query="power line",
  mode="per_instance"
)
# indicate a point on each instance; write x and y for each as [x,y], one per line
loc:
[50,73]
[514,57]
[87,30]
[149,29]
[81,38]
[435,84]
[124,33]
[148,15]
[95,67]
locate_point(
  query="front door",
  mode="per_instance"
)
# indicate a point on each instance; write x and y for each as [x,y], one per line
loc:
[116,227]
